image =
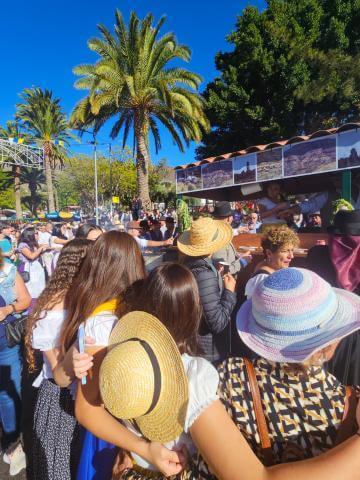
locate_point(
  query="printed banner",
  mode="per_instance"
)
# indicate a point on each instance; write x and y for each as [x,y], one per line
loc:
[324,154]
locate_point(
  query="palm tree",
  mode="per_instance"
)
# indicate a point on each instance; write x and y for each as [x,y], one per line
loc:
[133,82]
[42,117]
[34,178]
[12,130]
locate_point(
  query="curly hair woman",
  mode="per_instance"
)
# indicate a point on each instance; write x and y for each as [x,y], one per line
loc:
[55,430]
[278,245]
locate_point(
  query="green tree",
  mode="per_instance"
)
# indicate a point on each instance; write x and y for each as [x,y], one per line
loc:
[7,195]
[34,179]
[12,130]
[162,183]
[293,68]
[133,82]
[43,119]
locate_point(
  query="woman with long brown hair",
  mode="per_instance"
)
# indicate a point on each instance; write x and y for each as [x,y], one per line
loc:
[113,264]
[55,430]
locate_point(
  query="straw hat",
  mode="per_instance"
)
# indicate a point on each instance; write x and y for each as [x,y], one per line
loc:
[295,313]
[206,236]
[142,377]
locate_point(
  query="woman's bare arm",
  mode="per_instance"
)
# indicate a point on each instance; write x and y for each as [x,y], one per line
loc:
[229,456]
[23,299]
[268,213]
[92,415]
[32,255]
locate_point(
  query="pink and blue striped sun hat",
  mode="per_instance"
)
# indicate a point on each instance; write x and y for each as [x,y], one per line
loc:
[294,313]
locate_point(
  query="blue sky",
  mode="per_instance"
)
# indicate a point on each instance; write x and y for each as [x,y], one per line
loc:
[45,39]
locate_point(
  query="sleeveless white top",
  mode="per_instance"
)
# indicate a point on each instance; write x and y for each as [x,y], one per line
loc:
[46,336]
[203,384]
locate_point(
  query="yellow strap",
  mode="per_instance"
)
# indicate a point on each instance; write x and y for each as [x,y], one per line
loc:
[109,306]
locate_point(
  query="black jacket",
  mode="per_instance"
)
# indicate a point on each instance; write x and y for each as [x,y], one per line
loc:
[218,304]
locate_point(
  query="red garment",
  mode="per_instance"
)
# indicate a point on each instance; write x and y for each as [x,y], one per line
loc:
[345,256]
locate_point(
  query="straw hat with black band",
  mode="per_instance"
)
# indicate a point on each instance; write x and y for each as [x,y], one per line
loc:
[205,237]
[142,378]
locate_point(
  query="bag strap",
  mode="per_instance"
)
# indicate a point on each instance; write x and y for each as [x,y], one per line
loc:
[348,422]
[259,414]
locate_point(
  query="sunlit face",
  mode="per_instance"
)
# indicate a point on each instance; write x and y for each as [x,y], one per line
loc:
[253,217]
[273,191]
[94,234]
[281,258]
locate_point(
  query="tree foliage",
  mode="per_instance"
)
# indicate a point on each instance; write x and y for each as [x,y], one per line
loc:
[293,68]
[41,116]
[135,82]
[75,183]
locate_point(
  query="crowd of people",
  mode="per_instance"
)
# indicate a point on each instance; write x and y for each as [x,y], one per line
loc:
[183,370]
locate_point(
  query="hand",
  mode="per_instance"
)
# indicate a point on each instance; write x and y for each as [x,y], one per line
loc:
[169,241]
[82,362]
[229,282]
[168,462]
[243,229]
[4,312]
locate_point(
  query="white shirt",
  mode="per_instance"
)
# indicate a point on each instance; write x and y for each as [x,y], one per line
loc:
[44,238]
[203,384]
[46,336]
[99,327]
[142,242]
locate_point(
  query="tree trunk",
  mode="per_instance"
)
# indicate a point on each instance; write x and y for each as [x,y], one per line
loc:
[56,198]
[142,167]
[18,209]
[49,183]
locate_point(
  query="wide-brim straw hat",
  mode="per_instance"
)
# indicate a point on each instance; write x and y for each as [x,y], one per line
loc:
[295,313]
[142,378]
[206,236]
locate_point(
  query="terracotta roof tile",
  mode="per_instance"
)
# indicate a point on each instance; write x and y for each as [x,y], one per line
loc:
[276,144]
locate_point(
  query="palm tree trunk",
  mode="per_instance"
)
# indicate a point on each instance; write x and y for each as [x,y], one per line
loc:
[49,183]
[142,166]
[18,209]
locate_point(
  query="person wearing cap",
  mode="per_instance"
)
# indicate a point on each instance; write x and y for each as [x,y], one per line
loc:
[152,380]
[228,254]
[314,223]
[134,229]
[217,293]
[293,322]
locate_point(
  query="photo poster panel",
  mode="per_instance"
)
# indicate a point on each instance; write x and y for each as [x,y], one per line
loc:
[320,155]
[217,174]
[189,180]
[348,149]
[244,167]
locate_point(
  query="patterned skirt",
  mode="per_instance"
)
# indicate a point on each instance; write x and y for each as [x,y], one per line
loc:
[138,473]
[56,434]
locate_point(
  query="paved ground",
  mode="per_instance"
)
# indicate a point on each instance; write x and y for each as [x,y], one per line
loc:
[4,469]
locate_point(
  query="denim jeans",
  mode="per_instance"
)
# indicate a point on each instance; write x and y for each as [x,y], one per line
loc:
[10,393]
